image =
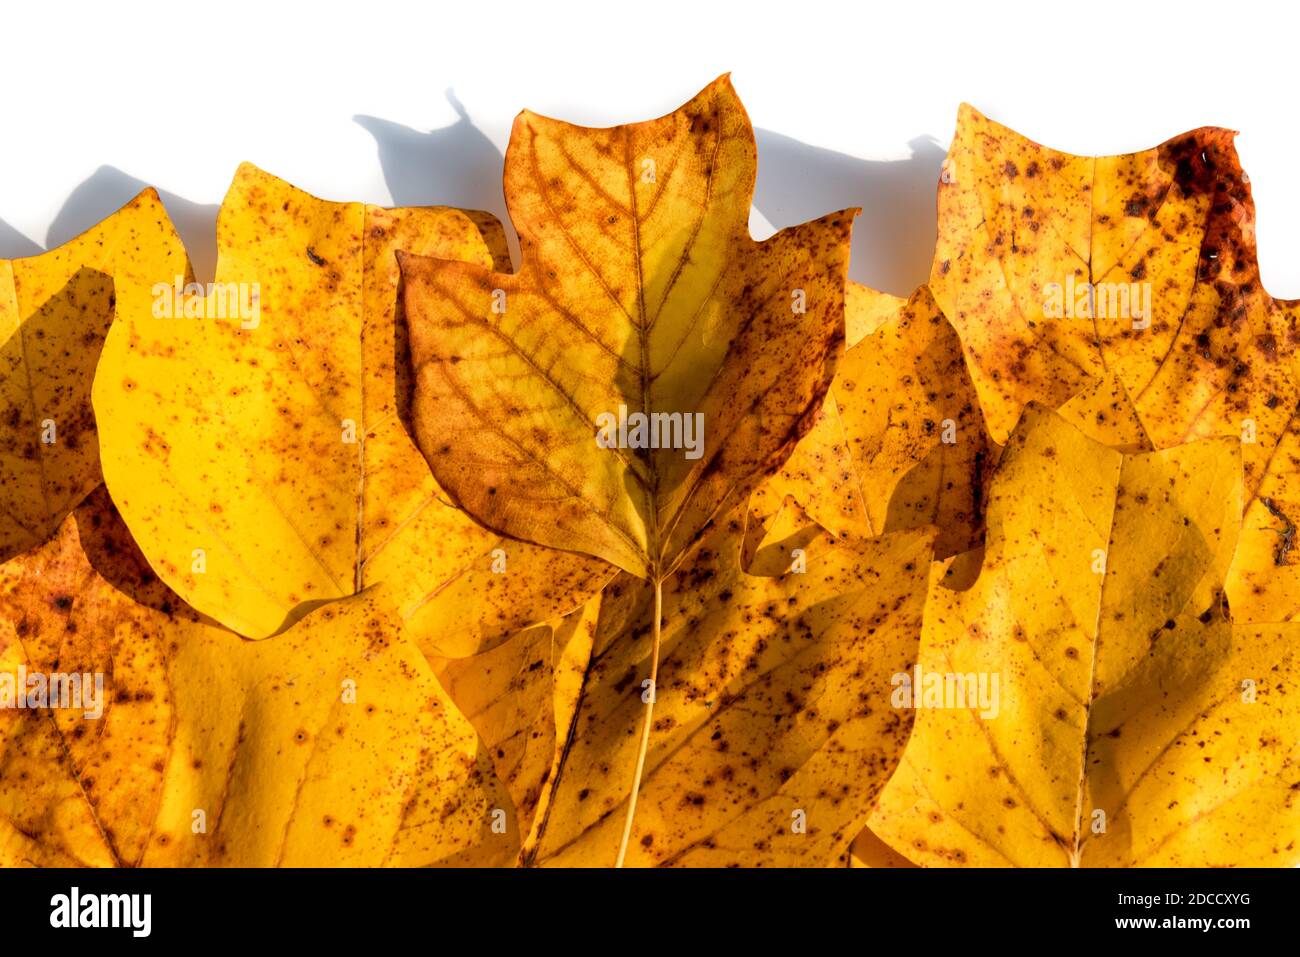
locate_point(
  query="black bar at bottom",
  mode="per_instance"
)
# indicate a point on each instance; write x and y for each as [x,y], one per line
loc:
[595,908]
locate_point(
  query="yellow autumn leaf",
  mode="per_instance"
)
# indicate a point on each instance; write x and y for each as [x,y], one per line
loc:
[55,310]
[1085,701]
[255,436]
[770,743]
[517,695]
[649,361]
[900,442]
[332,744]
[1058,269]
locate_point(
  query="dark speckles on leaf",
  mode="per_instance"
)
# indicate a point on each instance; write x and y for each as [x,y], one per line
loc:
[1137,206]
[628,677]
[1286,535]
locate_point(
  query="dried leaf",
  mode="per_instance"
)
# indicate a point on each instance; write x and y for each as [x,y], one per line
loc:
[1058,269]
[640,290]
[258,451]
[55,310]
[516,696]
[326,745]
[770,744]
[1104,413]
[870,851]
[900,442]
[1119,732]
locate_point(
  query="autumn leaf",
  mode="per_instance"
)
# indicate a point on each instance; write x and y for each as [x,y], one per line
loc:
[770,743]
[900,441]
[640,290]
[520,697]
[255,438]
[330,744]
[649,363]
[1058,269]
[1130,723]
[55,309]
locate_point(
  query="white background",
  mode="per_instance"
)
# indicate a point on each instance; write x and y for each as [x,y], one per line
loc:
[854,103]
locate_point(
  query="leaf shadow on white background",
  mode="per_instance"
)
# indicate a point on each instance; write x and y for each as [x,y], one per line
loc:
[893,239]
[456,165]
[108,189]
[103,193]
[14,245]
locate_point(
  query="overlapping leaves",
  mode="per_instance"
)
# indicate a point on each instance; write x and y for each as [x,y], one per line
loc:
[360,604]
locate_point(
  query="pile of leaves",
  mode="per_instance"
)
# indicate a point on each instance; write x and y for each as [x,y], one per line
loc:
[671,547]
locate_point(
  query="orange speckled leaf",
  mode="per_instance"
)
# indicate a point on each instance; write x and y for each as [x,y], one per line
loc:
[55,310]
[258,450]
[326,745]
[870,851]
[640,293]
[1058,270]
[1104,412]
[866,310]
[1130,723]
[520,697]
[900,442]
[770,740]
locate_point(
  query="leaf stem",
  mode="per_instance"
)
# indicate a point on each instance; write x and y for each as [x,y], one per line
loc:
[645,727]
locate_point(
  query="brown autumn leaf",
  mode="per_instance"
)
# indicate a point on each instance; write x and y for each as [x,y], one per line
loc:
[648,364]
[1085,700]
[640,290]
[55,309]
[255,437]
[332,744]
[1058,269]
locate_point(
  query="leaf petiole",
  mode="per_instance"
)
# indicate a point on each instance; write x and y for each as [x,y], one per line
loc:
[645,727]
